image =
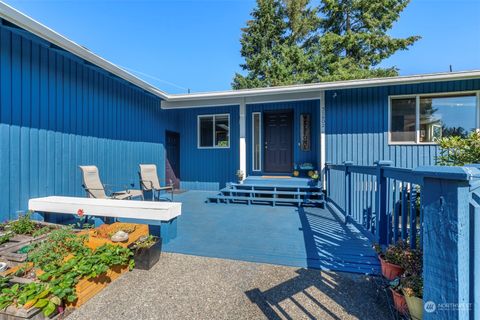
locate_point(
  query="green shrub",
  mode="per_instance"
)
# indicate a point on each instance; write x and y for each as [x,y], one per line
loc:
[458,151]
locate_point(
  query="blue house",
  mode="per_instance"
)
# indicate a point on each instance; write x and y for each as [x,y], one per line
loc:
[62,106]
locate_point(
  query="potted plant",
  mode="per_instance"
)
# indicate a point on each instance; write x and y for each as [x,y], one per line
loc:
[240,176]
[399,301]
[413,292]
[391,261]
[146,251]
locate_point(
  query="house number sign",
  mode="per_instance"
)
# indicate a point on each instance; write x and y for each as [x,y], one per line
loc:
[305,125]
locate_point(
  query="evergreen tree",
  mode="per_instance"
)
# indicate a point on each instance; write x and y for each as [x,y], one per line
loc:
[261,40]
[354,39]
[288,41]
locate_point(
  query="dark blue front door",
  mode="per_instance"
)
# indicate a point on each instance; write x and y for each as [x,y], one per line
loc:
[278,149]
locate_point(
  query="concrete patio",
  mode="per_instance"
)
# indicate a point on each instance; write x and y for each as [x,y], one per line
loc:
[190,287]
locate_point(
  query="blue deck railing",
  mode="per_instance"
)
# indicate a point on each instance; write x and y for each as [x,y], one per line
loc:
[383,200]
[436,208]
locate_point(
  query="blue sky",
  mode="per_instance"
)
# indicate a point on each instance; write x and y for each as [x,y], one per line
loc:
[195,44]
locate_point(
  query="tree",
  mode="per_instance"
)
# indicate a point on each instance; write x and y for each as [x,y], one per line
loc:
[354,39]
[289,41]
[261,41]
[274,44]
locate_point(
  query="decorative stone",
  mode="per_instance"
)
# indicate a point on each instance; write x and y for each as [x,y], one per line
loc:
[120,236]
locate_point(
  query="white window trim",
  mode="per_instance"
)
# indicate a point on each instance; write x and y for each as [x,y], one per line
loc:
[214,119]
[260,138]
[417,98]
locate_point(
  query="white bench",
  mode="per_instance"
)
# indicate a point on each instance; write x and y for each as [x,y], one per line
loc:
[163,214]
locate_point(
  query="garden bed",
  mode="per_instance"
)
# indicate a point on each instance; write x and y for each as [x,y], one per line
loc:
[16,234]
[64,270]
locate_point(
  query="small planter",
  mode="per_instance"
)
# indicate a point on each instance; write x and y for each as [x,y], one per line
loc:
[415,307]
[390,270]
[399,302]
[145,258]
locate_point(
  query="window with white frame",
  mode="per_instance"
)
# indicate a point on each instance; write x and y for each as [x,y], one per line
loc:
[427,118]
[214,131]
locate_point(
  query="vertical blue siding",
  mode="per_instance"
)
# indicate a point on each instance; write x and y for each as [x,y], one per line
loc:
[213,167]
[310,106]
[357,124]
[58,112]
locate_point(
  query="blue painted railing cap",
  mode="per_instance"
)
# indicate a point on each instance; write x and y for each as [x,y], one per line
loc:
[473,165]
[465,173]
[348,163]
[384,163]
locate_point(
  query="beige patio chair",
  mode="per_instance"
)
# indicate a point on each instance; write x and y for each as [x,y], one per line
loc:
[95,189]
[150,183]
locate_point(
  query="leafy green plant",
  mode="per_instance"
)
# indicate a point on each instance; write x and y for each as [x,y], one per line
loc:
[144,243]
[413,262]
[86,264]
[413,286]
[41,231]
[9,295]
[395,253]
[5,237]
[56,247]
[458,151]
[24,225]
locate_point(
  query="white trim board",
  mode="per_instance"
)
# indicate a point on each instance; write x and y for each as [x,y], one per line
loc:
[131,209]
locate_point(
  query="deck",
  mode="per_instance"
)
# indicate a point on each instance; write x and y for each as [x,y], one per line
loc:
[293,236]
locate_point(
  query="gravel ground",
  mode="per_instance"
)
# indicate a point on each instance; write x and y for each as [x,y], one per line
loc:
[191,287]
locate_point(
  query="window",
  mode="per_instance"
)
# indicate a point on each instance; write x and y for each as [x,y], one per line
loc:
[447,116]
[256,145]
[403,120]
[214,131]
[425,119]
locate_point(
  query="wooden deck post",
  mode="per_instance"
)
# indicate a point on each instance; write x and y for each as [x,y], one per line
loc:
[381,229]
[451,241]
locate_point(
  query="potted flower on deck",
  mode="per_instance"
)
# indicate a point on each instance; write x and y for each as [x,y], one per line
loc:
[413,291]
[399,301]
[391,261]
[240,175]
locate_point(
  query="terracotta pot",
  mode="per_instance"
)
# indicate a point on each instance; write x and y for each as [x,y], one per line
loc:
[415,307]
[399,302]
[390,270]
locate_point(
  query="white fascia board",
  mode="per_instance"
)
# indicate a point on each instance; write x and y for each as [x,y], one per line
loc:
[252,99]
[261,95]
[25,22]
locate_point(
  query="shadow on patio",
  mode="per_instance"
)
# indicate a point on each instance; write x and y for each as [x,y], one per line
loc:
[322,295]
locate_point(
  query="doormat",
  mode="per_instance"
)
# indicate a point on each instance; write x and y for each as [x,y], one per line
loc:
[276,177]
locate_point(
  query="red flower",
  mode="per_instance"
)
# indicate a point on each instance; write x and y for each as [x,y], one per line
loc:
[80,212]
